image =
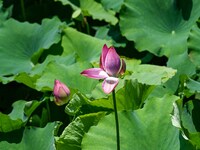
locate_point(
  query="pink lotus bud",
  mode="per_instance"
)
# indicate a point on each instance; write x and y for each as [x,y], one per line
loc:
[111,67]
[110,61]
[61,93]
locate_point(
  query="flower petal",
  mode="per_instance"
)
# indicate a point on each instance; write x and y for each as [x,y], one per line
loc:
[109,84]
[112,62]
[95,73]
[60,89]
[103,56]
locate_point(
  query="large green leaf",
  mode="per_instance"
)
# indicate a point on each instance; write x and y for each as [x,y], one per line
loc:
[114,4]
[22,44]
[133,95]
[15,119]
[72,135]
[112,34]
[133,89]
[183,65]
[75,104]
[147,128]
[94,9]
[69,74]
[130,97]
[193,44]
[152,74]
[157,26]
[181,62]
[68,2]
[30,78]
[32,138]
[88,48]
[97,11]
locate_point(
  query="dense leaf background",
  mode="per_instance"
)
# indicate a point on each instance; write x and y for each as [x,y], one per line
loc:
[158,97]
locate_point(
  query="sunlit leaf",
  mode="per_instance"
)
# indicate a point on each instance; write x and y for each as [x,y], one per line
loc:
[32,137]
[22,44]
[86,47]
[183,65]
[152,74]
[129,97]
[69,74]
[75,104]
[68,2]
[157,25]
[72,135]
[181,62]
[152,124]
[30,78]
[97,11]
[114,4]
[193,44]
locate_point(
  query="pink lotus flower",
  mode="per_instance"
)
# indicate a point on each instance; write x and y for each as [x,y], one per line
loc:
[111,67]
[61,93]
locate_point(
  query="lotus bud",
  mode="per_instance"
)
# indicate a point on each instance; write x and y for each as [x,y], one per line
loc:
[61,93]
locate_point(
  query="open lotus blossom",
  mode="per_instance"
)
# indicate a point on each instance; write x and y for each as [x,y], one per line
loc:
[61,93]
[111,67]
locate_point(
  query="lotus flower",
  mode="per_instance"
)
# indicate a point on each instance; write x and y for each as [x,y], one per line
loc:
[111,67]
[61,93]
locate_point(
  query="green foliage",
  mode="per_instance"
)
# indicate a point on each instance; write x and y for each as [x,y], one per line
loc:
[158,97]
[22,44]
[145,124]
[15,119]
[86,47]
[71,137]
[157,26]
[193,44]
[152,75]
[29,137]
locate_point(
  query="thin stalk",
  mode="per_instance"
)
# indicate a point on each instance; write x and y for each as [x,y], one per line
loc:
[116,120]
[87,25]
[23,9]
[48,109]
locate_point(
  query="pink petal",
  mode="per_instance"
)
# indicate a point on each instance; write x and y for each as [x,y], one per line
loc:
[103,56]
[61,93]
[112,62]
[95,73]
[60,89]
[109,84]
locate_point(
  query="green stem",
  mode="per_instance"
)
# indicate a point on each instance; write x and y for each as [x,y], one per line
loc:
[48,109]
[116,120]
[87,25]
[23,9]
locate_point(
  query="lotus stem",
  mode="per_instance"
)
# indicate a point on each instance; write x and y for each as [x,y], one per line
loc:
[116,120]
[23,9]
